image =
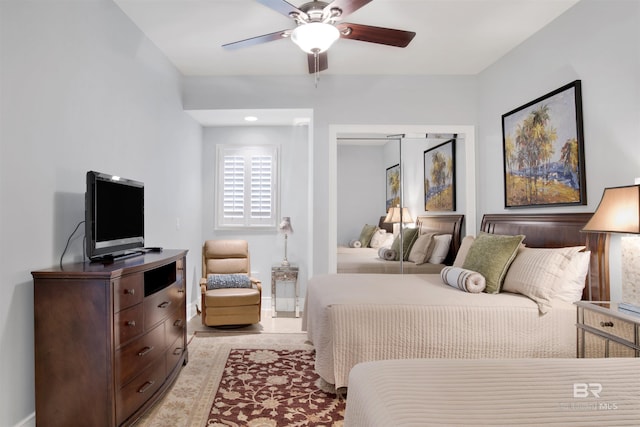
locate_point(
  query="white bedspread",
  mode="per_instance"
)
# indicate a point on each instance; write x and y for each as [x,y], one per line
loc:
[581,392]
[354,318]
[366,260]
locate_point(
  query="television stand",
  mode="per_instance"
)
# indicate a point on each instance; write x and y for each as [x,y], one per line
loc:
[110,340]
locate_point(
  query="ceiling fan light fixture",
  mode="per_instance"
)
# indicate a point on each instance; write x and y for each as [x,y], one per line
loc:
[315,37]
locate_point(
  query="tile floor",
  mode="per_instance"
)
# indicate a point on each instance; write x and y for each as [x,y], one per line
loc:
[284,323]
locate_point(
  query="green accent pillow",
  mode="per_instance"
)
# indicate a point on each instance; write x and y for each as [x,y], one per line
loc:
[366,234]
[409,237]
[491,255]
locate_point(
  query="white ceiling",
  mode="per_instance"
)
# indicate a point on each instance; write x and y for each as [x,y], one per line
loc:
[459,37]
[452,36]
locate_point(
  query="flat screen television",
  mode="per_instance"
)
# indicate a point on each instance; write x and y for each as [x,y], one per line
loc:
[114,216]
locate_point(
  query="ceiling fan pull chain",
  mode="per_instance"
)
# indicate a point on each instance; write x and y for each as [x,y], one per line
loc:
[316,58]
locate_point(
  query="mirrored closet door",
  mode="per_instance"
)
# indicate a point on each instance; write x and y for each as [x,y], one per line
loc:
[384,184]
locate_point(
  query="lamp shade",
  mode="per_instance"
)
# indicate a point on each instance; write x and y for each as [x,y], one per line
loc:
[618,211]
[394,214]
[315,37]
[285,225]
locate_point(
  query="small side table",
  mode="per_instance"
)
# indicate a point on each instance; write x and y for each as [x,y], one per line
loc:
[284,274]
[604,331]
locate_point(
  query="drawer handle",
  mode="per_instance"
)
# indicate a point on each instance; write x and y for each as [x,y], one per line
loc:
[129,291]
[146,386]
[165,304]
[145,351]
[181,290]
[177,351]
[131,323]
[606,324]
[178,323]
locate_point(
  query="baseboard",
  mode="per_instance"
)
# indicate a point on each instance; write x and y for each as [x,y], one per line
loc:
[192,310]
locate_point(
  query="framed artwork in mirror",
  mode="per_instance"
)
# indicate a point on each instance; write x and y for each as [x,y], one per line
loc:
[543,151]
[393,186]
[440,177]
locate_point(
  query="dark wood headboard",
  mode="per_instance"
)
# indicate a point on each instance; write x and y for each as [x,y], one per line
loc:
[444,224]
[555,231]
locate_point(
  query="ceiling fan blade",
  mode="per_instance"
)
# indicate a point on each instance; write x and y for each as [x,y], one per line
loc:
[323,62]
[347,6]
[282,7]
[278,35]
[380,35]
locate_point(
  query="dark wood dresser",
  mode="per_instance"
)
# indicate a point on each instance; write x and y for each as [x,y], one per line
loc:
[109,338]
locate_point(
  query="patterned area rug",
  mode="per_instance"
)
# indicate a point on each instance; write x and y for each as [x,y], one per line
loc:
[273,388]
[223,372]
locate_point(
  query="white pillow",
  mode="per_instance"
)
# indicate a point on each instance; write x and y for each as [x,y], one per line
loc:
[440,249]
[421,249]
[389,238]
[535,271]
[569,288]
[466,243]
[378,238]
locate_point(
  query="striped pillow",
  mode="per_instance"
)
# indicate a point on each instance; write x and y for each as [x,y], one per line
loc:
[535,271]
[465,280]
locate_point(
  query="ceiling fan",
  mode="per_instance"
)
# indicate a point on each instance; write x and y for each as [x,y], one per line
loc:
[318,26]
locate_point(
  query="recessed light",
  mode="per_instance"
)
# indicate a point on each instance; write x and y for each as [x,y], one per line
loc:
[250,118]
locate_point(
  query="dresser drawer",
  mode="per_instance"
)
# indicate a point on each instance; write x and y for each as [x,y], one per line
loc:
[160,305]
[176,324]
[127,291]
[128,324]
[174,353]
[610,325]
[135,356]
[140,389]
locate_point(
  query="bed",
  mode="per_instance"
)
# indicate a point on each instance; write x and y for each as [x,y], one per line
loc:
[354,318]
[368,260]
[423,392]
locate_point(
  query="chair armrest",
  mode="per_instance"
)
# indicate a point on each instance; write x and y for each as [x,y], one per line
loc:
[203,285]
[256,282]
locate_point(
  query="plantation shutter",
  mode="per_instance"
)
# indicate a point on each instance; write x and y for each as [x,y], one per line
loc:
[233,192]
[247,186]
[261,186]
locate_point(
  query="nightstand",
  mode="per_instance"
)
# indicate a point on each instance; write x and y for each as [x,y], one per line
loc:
[281,273]
[603,331]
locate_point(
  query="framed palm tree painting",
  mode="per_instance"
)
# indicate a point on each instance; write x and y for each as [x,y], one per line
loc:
[440,177]
[393,186]
[544,151]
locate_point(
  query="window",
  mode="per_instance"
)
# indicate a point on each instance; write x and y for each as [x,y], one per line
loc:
[247,186]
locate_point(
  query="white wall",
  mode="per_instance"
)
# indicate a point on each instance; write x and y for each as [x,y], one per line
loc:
[361,189]
[82,89]
[598,42]
[266,246]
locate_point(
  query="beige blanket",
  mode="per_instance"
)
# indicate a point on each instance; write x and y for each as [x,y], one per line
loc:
[353,318]
[366,260]
[532,392]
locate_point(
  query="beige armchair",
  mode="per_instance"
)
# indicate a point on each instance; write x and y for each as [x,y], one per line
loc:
[229,306]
